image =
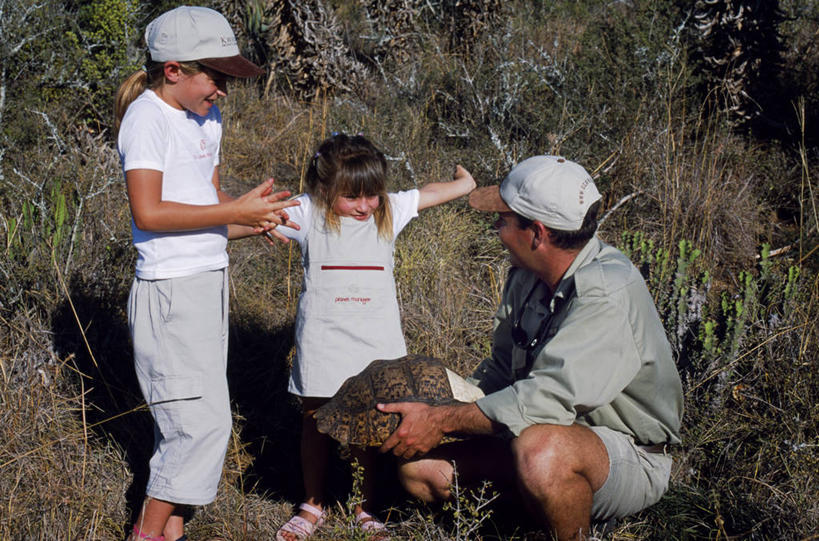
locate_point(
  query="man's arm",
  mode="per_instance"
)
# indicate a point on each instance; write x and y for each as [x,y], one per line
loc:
[577,372]
[422,426]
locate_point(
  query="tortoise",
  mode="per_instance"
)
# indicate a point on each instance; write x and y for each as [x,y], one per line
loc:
[351,418]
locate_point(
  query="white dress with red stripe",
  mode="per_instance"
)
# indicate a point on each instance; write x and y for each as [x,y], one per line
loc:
[348,312]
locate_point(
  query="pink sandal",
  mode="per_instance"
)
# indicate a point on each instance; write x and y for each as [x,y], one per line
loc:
[372,526]
[301,527]
[146,537]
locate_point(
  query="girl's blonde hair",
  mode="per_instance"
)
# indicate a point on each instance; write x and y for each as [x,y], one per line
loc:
[346,165]
[153,77]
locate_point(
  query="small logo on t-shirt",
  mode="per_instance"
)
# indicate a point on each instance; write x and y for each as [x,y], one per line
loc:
[352,300]
[203,151]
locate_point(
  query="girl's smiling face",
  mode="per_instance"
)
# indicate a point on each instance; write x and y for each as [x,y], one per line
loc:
[360,207]
[194,92]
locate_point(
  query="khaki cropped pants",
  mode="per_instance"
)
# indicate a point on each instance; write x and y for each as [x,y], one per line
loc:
[179,328]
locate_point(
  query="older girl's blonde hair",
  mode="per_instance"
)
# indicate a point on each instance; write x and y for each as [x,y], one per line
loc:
[153,77]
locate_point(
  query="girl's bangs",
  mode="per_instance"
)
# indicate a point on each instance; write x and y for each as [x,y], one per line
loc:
[362,177]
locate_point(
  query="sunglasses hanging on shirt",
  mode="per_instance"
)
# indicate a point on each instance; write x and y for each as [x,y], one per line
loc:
[519,336]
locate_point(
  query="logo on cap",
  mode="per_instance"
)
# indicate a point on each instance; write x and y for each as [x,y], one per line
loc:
[583,187]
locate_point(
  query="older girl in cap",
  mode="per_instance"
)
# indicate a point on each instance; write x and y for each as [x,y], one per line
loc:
[169,139]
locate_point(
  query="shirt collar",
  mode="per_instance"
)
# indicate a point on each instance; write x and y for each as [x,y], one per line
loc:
[589,252]
[565,287]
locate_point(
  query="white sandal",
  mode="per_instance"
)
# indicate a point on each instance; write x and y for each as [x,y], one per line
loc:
[300,526]
[372,526]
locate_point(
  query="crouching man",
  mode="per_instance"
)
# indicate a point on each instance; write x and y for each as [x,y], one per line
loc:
[582,398]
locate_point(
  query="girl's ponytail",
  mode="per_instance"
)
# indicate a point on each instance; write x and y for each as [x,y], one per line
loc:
[152,76]
[128,91]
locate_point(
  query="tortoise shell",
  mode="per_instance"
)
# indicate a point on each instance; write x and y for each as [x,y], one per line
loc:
[351,417]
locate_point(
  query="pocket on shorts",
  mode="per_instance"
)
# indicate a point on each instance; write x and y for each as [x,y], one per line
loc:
[170,399]
[164,298]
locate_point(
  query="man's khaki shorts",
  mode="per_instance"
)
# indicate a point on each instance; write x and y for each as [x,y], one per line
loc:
[637,479]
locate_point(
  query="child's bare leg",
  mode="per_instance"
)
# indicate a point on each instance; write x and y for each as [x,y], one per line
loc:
[175,527]
[153,520]
[366,458]
[315,448]
[364,519]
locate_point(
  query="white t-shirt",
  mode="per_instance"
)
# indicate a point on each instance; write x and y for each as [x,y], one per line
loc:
[185,148]
[404,207]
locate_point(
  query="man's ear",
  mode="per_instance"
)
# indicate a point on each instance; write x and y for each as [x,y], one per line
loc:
[541,234]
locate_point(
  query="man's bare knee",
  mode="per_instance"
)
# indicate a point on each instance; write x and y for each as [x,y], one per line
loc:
[427,480]
[547,456]
[538,457]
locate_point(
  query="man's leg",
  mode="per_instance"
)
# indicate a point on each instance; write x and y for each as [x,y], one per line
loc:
[559,468]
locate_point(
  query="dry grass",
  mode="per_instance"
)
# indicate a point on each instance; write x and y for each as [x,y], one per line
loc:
[59,477]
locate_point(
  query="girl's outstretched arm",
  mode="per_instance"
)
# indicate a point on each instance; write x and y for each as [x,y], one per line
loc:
[436,193]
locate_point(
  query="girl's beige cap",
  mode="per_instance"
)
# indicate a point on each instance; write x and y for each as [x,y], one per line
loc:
[195,33]
[549,189]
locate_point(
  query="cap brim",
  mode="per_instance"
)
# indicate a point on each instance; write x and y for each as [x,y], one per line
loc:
[235,66]
[488,199]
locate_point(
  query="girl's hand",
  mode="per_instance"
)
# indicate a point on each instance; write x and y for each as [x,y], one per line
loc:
[270,232]
[262,208]
[464,177]
[436,193]
[269,229]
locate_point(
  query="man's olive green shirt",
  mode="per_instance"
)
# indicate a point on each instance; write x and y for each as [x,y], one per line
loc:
[602,357]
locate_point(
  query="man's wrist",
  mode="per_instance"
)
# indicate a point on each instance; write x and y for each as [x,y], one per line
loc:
[453,418]
[437,417]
